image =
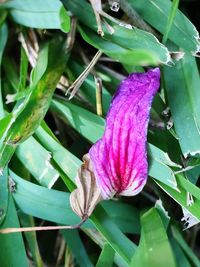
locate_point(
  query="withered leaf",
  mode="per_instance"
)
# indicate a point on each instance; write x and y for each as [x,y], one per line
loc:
[84,199]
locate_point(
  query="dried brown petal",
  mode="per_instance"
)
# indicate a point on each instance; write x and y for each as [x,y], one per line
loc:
[84,199]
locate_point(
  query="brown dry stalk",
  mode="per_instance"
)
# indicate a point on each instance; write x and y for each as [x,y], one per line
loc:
[98,83]
[72,90]
[41,228]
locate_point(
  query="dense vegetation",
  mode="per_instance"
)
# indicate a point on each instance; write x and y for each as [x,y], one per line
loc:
[60,64]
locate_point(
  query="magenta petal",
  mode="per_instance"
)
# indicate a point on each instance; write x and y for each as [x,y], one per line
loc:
[120,156]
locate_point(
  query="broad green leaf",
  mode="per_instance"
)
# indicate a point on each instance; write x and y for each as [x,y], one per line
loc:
[75,243]
[29,113]
[193,173]
[117,240]
[40,202]
[64,159]
[120,213]
[86,123]
[129,46]
[106,257]
[156,12]
[3,194]
[159,166]
[135,55]
[182,86]
[100,241]
[41,14]
[154,247]
[11,245]
[91,127]
[37,160]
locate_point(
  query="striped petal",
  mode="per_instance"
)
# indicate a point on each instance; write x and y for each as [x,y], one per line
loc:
[120,157]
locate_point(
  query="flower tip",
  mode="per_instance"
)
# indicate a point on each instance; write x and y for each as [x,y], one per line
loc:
[155,72]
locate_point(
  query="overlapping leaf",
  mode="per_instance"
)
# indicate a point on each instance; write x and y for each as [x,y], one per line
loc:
[41,14]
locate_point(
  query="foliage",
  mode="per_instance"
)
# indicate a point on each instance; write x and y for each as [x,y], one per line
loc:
[44,46]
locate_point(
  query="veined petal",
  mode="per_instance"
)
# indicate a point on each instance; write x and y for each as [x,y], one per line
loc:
[120,156]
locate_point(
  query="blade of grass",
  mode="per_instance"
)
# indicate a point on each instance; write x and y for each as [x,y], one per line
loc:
[3,194]
[75,244]
[31,238]
[170,20]
[154,248]
[12,246]
[29,113]
[182,87]
[106,257]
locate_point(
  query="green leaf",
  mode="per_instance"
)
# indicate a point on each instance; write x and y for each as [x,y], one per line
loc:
[117,240]
[27,221]
[3,15]
[40,202]
[106,257]
[41,14]
[86,123]
[11,245]
[181,194]
[159,166]
[154,248]
[185,247]
[182,86]
[130,46]
[156,12]
[37,160]
[74,242]
[11,71]
[170,20]
[41,65]
[29,113]
[181,259]
[3,40]
[23,70]
[64,159]
[3,194]
[120,213]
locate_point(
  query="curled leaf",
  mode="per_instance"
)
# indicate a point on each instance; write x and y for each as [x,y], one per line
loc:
[84,199]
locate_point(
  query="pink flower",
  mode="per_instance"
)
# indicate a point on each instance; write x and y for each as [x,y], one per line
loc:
[120,157]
